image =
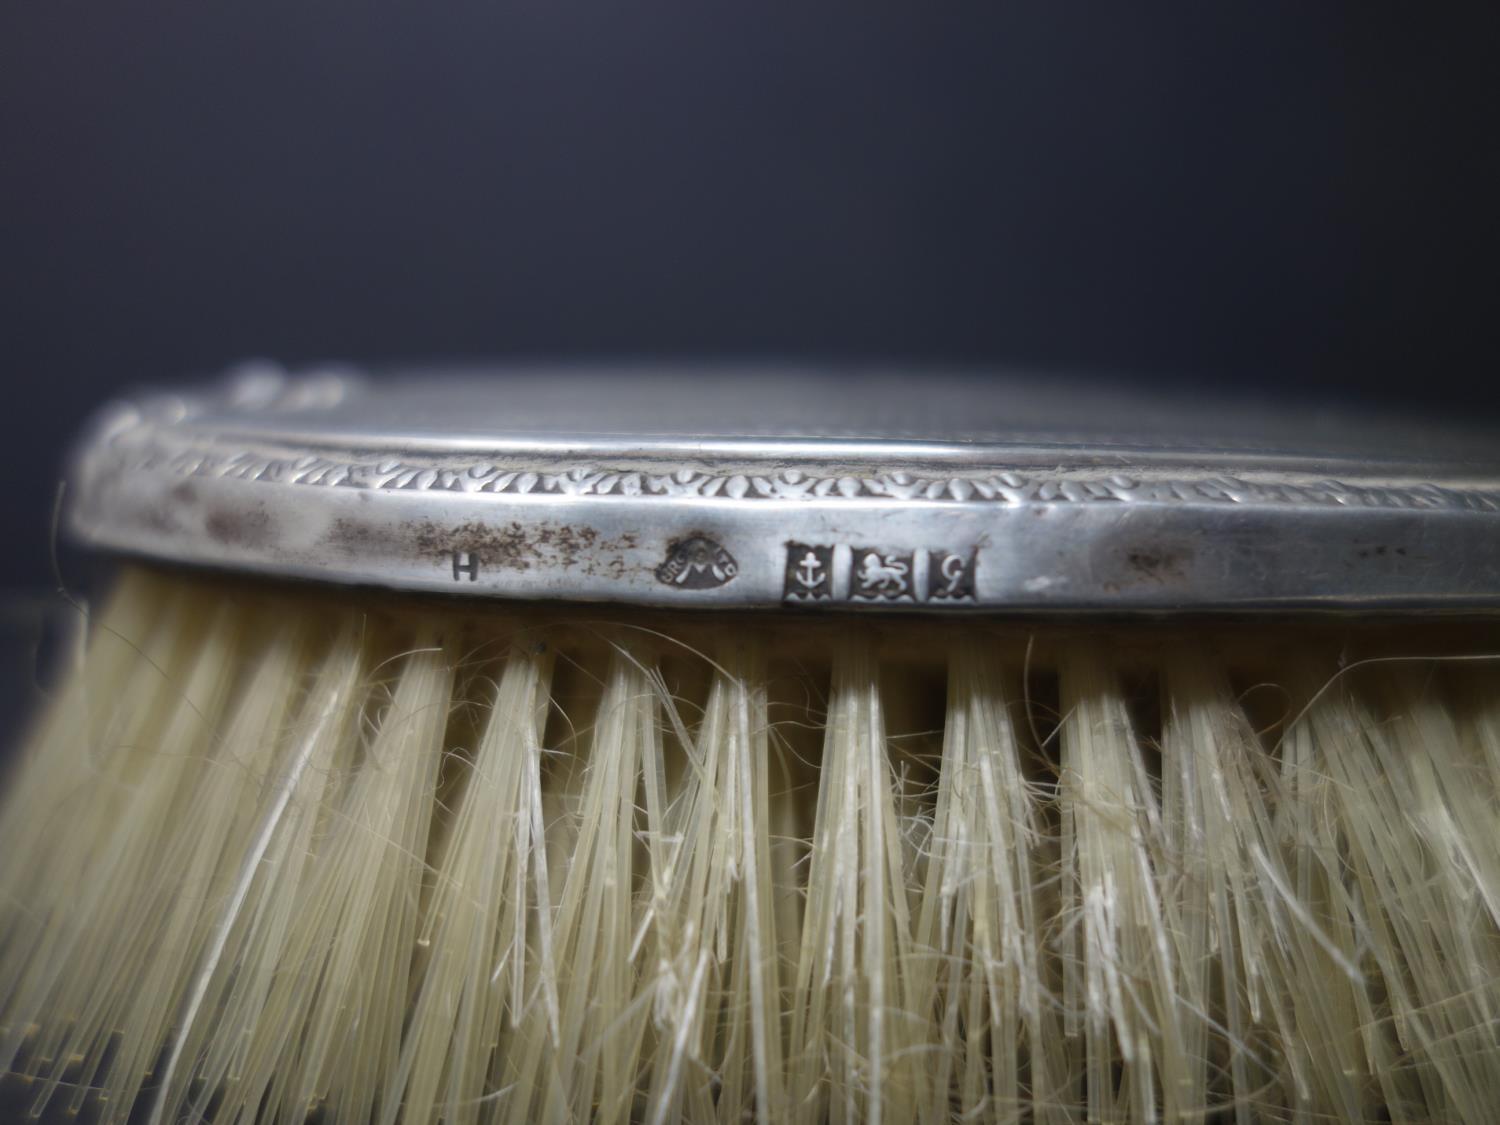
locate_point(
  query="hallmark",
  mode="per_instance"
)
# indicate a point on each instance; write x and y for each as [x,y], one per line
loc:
[809,573]
[950,576]
[697,563]
[824,572]
[880,575]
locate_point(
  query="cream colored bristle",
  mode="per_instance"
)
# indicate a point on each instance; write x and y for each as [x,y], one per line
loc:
[471,970]
[273,855]
[983,907]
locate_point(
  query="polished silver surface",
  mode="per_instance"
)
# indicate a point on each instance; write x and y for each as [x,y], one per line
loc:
[813,490]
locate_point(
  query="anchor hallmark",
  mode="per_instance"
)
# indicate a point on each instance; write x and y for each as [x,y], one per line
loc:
[809,573]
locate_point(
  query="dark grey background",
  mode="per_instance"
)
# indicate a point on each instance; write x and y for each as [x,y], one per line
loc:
[1292,197]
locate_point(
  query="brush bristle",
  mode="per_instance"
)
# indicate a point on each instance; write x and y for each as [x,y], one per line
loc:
[269,858]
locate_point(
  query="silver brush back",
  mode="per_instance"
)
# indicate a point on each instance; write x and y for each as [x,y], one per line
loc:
[802,489]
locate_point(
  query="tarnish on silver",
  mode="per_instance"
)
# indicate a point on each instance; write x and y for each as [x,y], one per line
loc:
[682,489]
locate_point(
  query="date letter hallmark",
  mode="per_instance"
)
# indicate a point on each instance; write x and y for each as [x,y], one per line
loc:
[809,573]
[881,576]
[950,576]
[696,563]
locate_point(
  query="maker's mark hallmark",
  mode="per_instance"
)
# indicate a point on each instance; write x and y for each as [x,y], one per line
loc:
[696,563]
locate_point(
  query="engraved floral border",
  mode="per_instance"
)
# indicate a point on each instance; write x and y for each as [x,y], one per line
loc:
[154,434]
[591,480]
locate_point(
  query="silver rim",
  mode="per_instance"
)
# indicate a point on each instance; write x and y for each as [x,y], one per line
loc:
[321,476]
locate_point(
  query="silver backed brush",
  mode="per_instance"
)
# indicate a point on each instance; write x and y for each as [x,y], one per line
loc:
[281,851]
[804,489]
